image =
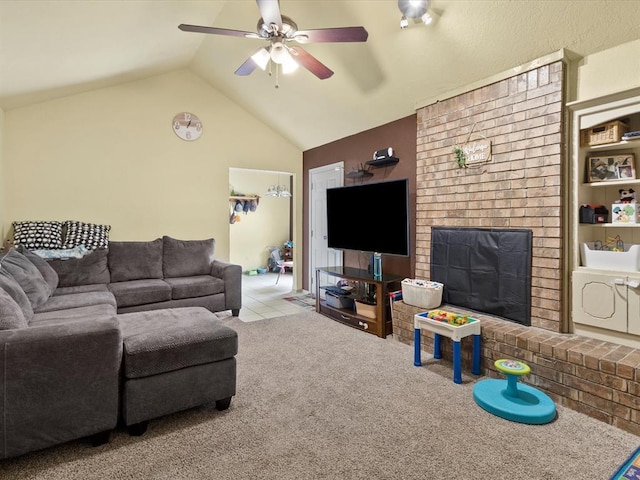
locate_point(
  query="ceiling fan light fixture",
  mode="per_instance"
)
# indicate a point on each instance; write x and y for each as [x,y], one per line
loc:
[427,18]
[404,23]
[289,65]
[261,58]
[279,53]
[413,8]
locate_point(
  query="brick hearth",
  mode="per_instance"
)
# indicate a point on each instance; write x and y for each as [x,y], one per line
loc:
[600,379]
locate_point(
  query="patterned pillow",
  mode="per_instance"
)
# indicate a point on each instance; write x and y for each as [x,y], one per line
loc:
[90,235]
[36,234]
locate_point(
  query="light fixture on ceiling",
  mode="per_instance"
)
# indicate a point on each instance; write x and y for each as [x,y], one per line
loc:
[414,9]
[278,190]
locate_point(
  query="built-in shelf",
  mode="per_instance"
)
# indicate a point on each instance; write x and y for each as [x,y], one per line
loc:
[615,146]
[609,183]
[358,174]
[611,225]
[383,162]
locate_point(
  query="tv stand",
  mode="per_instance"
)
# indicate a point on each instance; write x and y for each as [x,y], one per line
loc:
[381,325]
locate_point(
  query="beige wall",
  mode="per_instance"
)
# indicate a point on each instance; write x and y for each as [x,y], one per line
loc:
[609,71]
[267,226]
[110,156]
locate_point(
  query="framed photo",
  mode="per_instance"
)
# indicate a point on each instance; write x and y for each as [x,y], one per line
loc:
[611,167]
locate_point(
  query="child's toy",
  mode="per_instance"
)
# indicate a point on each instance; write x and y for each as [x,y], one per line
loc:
[627,195]
[448,317]
[516,402]
[442,328]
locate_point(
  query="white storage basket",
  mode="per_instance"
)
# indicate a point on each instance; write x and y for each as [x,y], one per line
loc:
[627,261]
[422,293]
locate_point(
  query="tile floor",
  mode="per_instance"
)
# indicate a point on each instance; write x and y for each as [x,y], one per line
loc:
[262,298]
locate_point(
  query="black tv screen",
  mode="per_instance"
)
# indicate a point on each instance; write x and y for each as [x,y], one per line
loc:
[370,217]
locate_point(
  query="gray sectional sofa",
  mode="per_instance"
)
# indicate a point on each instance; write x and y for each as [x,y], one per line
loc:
[124,334]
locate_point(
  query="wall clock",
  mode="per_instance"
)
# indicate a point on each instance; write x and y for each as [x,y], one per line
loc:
[187,126]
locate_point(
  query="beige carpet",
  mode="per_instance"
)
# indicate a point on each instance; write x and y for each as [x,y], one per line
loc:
[317,399]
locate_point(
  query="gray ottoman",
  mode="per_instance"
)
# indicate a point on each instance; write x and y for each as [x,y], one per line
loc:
[175,359]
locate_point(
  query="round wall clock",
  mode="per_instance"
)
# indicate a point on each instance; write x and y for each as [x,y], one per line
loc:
[187,126]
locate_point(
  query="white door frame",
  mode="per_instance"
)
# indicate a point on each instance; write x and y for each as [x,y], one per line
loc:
[338,166]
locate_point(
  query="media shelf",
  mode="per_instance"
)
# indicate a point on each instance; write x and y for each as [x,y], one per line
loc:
[381,324]
[358,174]
[383,162]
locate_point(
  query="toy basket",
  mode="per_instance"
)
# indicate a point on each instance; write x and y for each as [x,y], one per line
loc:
[627,261]
[422,293]
[610,132]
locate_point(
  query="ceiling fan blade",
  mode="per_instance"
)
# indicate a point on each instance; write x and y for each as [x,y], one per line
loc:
[246,68]
[217,31]
[341,34]
[310,62]
[270,11]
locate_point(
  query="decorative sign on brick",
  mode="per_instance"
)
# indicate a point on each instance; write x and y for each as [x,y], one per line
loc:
[477,151]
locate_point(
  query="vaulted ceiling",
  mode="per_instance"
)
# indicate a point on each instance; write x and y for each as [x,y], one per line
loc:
[53,48]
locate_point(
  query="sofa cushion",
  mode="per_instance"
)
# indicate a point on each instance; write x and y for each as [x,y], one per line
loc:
[135,260]
[90,235]
[9,285]
[36,234]
[80,314]
[76,300]
[28,277]
[185,258]
[49,274]
[197,286]
[140,292]
[11,315]
[165,340]
[90,269]
[93,287]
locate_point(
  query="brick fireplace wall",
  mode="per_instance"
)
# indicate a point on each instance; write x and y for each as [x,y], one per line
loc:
[520,188]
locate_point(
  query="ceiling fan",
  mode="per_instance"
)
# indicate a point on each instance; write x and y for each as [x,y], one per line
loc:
[280,31]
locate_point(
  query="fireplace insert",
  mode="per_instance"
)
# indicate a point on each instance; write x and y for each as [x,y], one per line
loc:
[484,269]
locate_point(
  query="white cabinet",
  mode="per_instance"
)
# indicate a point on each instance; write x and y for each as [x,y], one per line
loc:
[607,301]
[604,303]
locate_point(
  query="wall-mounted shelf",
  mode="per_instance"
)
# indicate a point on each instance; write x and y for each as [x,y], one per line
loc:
[358,174]
[243,197]
[383,162]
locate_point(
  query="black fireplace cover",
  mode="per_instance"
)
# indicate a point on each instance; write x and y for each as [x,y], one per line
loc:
[484,269]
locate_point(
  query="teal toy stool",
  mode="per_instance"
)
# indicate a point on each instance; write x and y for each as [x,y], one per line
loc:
[512,400]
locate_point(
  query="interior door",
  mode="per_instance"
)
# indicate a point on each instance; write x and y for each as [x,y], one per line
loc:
[600,300]
[321,255]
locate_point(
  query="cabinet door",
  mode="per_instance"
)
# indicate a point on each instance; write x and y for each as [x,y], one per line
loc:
[600,300]
[633,295]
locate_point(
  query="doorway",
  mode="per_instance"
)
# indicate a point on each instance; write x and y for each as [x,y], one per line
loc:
[320,255]
[254,232]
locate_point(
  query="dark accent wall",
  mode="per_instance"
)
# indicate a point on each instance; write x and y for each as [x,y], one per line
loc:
[353,151]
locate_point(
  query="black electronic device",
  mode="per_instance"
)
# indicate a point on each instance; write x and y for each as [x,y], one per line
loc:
[370,217]
[382,154]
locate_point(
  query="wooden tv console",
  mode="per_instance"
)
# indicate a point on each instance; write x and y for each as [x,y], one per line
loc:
[381,325]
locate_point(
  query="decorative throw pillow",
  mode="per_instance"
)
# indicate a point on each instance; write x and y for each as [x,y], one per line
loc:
[28,277]
[11,315]
[184,258]
[49,274]
[90,235]
[9,285]
[36,234]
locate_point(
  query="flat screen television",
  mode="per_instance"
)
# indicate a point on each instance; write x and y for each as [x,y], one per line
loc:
[370,217]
